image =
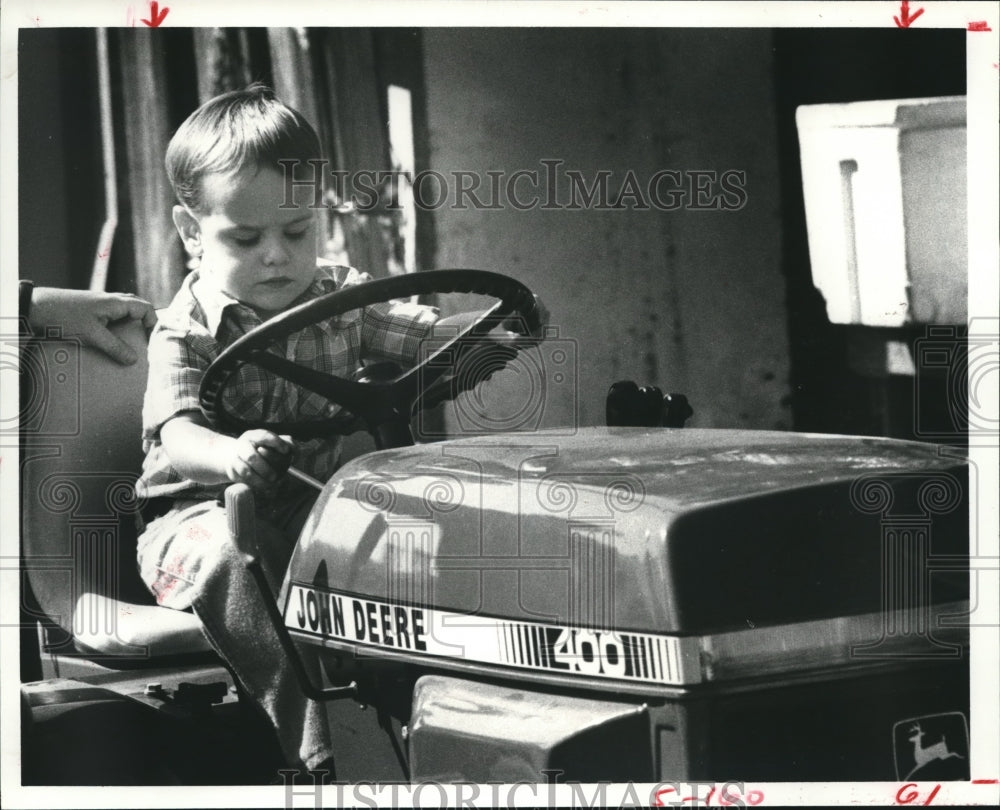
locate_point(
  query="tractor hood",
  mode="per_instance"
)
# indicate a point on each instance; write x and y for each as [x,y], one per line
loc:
[639,533]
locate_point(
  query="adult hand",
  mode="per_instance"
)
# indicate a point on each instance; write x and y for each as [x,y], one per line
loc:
[86,315]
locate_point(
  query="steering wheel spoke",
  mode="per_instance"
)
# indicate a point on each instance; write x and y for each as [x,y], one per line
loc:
[353,396]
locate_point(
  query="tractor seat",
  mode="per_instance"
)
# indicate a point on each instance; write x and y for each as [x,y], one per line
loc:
[81,423]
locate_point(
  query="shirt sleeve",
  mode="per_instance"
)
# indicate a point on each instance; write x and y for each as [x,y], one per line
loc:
[394,330]
[177,364]
[390,330]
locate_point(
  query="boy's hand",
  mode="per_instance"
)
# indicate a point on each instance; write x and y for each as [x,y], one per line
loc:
[259,459]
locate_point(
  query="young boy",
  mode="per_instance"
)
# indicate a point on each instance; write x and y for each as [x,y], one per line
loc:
[257,257]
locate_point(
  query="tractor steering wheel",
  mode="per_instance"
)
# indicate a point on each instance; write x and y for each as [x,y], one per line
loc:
[384,407]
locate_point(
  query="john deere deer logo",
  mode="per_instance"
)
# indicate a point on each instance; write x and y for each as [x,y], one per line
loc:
[945,758]
[923,755]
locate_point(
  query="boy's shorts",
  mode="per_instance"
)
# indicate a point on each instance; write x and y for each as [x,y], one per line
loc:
[178,549]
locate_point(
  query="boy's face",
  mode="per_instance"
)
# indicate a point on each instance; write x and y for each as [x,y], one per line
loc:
[261,254]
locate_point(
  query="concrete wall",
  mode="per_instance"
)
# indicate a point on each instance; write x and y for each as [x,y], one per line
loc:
[690,300]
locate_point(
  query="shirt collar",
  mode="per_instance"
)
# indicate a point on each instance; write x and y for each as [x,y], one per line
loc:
[215,302]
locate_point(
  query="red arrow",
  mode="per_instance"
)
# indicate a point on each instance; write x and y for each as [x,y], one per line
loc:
[905,20]
[156,16]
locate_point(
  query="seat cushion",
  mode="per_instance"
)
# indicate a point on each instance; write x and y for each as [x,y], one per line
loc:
[110,627]
[81,455]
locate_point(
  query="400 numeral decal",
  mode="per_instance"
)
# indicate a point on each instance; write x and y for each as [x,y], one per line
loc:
[593,652]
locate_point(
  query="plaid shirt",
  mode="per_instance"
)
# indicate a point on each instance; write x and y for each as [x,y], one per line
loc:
[201,321]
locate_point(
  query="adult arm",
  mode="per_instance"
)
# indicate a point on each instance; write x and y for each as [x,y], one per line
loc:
[86,315]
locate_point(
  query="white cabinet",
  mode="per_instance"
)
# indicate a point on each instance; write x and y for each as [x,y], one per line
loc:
[885,199]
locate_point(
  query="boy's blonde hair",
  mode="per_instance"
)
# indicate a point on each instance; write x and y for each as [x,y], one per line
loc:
[233,131]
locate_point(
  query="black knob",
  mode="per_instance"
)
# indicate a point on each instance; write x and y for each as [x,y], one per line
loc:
[676,410]
[620,403]
[649,407]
